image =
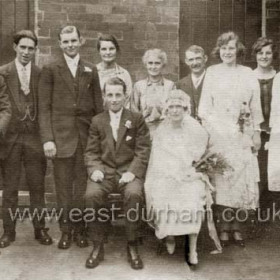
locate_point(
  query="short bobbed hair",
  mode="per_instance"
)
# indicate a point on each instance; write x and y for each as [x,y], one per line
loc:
[157,52]
[223,39]
[108,38]
[25,34]
[263,42]
[178,96]
[115,81]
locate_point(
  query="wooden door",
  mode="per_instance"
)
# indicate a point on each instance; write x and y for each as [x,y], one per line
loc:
[202,21]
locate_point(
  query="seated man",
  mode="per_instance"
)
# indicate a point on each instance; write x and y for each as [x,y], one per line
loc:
[116,157]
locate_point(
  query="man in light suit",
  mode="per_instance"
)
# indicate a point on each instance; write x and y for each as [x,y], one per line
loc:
[195,59]
[22,140]
[116,157]
[69,96]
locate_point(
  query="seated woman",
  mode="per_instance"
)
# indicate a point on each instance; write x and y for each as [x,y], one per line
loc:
[149,95]
[175,192]
[108,48]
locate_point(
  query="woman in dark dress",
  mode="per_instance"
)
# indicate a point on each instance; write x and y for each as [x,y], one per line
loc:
[264,52]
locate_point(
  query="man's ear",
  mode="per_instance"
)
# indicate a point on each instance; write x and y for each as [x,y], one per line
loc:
[82,40]
[205,58]
[14,46]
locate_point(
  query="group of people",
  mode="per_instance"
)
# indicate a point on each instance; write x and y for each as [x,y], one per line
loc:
[105,135]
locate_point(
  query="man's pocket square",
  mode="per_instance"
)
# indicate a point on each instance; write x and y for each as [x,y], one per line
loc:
[128,138]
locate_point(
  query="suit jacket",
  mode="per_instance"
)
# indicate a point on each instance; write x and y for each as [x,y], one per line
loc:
[187,86]
[131,151]
[65,117]
[9,72]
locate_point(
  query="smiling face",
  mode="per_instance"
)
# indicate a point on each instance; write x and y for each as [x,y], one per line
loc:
[108,51]
[196,61]
[154,65]
[264,57]
[25,50]
[228,52]
[70,43]
[114,97]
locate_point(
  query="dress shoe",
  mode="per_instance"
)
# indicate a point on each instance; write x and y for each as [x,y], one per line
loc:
[193,261]
[133,257]
[96,256]
[170,244]
[238,239]
[65,241]
[224,239]
[42,236]
[6,239]
[80,239]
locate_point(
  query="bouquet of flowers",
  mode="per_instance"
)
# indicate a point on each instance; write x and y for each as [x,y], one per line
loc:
[212,163]
[244,117]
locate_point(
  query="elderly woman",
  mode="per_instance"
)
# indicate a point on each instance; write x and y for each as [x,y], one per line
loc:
[149,95]
[230,110]
[175,192]
[264,51]
[108,48]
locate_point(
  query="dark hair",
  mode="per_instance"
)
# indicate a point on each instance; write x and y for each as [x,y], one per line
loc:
[223,39]
[25,34]
[69,29]
[115,81]
[263,42]
[108,38]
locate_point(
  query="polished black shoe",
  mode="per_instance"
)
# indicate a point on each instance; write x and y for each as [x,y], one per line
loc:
[65,241]
[95,257]
[224,243]
[42,236]
[6,239]
[134,258]
[80,239]
[240,243]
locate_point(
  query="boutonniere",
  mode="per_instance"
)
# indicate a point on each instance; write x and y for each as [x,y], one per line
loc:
[128,124]
[128,138]
[87,69]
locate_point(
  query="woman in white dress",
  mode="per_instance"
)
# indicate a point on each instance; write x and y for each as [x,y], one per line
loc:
[149,94]
[108,48]
[230,110]
[175,192]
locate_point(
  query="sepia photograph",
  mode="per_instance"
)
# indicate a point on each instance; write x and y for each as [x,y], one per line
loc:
[139,139]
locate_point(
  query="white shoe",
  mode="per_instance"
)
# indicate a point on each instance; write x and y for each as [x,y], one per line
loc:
[193,260]
[170,244]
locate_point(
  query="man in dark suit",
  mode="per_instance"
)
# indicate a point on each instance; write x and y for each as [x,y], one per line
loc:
[69,96]
[195,59]
[116,157]
[22,140]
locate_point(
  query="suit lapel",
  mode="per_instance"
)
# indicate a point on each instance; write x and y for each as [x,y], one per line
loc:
[66,75]
[82,79]
[13,84]
[109,133]
[34,83]
[122,127]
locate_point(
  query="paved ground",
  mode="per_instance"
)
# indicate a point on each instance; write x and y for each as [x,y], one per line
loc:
[27,260]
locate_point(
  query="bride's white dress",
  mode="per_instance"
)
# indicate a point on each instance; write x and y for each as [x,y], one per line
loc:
[175,193]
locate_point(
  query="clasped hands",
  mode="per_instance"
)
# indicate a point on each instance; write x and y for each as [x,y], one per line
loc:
[98,176]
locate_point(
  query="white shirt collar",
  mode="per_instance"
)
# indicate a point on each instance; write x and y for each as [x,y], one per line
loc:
[19,66]
[72,61]
[197,80]
[116,116]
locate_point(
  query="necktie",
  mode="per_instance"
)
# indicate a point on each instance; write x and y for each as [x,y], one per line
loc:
[24,81]
[115,127]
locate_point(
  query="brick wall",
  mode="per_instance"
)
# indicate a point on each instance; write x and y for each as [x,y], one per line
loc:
[137,24]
